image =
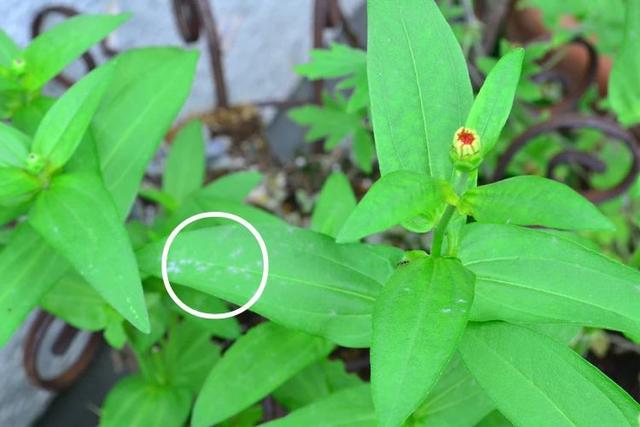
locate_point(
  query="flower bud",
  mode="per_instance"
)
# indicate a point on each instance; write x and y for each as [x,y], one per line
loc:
[465,151]
[34,163]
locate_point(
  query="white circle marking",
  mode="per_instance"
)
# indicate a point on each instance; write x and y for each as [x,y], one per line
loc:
[265,264]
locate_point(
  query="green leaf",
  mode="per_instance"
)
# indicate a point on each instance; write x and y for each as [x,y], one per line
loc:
[418,321]
[330,122]
[315,382]
[135,402]
[456,400]
[148,89]
[76,216]
[329,289]
[419,86]
[77,303]
[349,407]
[395,198]
[624,93]
[534,380]
[334,205]
[246,373]
[64,125]
[13,146]
[159,197]
[189,355]
[185,168]
[233,187]
[17,186]
[363,150]
[533,200]
[337,61]
[28,268]
[50,52]
[492,106]
[28,117]
[8,49]
[525,275]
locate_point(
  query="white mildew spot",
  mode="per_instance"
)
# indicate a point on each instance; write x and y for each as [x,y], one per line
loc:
[445,310]
[461,301]
[172,267]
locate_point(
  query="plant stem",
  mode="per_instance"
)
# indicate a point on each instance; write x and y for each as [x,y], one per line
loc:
[441,228]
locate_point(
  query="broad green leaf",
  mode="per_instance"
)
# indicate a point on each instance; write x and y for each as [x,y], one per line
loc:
[419,86]
[28,268]
[315,285]
[395,198]
[159,197]
[624,93]
[66,122]
[77,303]
[50,52]
[525,275]
[315,382]
[335,203]
[27,118]
[234,187]
[185,168]
[455,401]
[8,49]
[17,186]
[418,321]
[147,91]
[364,151]
[337,61]
[535,380]
[189,355]
[492,106]
[349,407]
[13,146]
[247,373]
[135,402]
[76,216]
[533,200]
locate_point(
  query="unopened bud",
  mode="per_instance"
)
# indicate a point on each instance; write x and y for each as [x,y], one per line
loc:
[465,152]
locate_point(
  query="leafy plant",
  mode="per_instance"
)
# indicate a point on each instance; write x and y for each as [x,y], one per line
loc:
[476,331]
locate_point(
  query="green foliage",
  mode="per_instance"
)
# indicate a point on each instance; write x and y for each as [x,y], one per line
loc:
[334,205]
[185,169]
[247,372]
[532,200]
[422,310]
[624,94]
[421,91]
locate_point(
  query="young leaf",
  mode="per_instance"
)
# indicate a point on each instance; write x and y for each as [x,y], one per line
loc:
[315,382]
[28,117]
[418,320]
[534,380]
[328,122]
[337,61]
[64,125]
[491,108]
[525,275]
[234,187]
[349,407]
[334,205]
[246,373]
[76,216]
[189,355]
[419,86]
[363,149]
[395,198]
[329,288]
[148,89]
[17,186]
[624,93]
[28,267]
[185,168]
[8,49]
[13,146]
[50,52]
[134,402]
[533,200]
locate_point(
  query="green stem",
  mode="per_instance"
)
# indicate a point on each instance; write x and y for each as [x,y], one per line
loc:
[441,228]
